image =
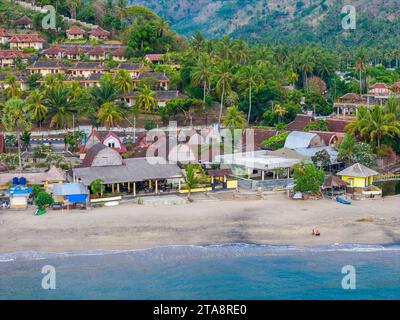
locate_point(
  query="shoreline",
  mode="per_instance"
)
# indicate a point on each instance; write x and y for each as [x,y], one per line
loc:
[275,221]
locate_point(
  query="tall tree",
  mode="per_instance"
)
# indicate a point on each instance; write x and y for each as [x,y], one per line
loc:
[110,114]
[223,77]
[249,78]
[16,117]
[146,99]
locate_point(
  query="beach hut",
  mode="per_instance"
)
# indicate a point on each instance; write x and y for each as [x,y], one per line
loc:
[334,186]
[71,193]
[358,176]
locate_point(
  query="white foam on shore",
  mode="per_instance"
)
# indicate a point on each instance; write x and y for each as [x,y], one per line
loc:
[193,251]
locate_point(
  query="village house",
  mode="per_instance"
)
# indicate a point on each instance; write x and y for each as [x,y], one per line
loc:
[8,58]
[75,33]
[24,23]
[111,140]
[25,41]
[379,94]
[134,69]
[53,52]
[155,58]
[99,34]
[91,81]
[349,104]
[86,69]
[74,53]
[21,78]
[4,37]
[97,54]
[129,176]
[47,67]
[160,78]
[118,55]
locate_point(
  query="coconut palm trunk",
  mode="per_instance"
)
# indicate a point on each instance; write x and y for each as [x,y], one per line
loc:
[222,103]
[19,150]
[249,115]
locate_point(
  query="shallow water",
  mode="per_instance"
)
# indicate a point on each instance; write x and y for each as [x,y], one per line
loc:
[236,271]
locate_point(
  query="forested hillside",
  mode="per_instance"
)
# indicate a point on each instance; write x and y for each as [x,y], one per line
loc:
[283,20]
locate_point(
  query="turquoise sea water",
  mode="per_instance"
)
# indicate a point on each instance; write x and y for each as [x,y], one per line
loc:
[236,271]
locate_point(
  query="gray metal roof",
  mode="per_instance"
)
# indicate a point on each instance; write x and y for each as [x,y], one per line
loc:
[133,170]
[69,189]
[297,139]
[310,152]
[358,170]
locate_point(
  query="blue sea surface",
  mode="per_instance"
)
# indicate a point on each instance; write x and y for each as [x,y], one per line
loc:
[234,271]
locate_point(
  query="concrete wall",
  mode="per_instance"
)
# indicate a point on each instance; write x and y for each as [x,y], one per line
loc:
[264,185]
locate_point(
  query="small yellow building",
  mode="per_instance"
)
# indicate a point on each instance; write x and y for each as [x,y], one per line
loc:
[358,176]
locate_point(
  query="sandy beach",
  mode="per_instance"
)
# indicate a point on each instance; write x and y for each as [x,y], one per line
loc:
[272,220]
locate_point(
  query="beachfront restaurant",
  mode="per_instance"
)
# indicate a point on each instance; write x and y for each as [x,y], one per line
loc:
[138,176]
[262,165]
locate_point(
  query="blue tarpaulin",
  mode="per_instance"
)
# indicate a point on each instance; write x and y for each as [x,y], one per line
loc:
[77,198]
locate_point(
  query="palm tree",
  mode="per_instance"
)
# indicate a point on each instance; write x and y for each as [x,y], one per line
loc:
[192,179]
[357,125]
[97,187]
[73,5]
[249,78]
[281,111]
[60,107]
[380,125]
[223,76]
[393,106]
[12,86]
[123,81]
[201,74]
[361,62]
[16,117]
[105,92]
[110,114]
[36,105]
[146,99]
[234,119]
[306,65]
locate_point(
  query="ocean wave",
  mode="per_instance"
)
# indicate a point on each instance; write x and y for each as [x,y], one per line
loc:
[195,251]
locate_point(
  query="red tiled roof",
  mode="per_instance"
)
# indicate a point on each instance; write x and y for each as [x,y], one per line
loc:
[352,97]
[300,122]
[396,86]
[24,21]
[120,52]
[4,33]
[378,86]
[9,54]
[97,51]
[258,136]
[53,50]
[337,125]
[99,32]
[75,30]
[154,56]
[329,136]
[20,38]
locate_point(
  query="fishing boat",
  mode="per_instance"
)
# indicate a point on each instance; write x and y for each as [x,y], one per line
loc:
[340,200]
